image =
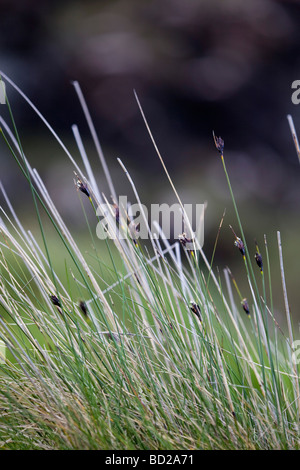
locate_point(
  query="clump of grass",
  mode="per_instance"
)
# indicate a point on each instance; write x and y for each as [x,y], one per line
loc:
[117,356]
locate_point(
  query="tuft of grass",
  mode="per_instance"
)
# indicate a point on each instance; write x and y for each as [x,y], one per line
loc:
[139,346]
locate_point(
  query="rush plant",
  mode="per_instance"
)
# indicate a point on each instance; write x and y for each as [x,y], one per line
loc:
[134,345]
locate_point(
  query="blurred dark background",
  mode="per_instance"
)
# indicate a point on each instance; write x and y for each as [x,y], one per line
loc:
[197,66]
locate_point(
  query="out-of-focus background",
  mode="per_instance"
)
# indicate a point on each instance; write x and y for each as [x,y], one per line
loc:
[197,66]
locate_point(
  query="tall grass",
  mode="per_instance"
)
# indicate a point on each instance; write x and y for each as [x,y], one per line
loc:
[144,347]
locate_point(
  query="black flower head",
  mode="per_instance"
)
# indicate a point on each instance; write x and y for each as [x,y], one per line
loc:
[83,307]
[240,245]
[219,143]
[55,300]
[117,212]
[238,242]
[259,261]
[245,306]
[81,186]
[258,258]
[195,309]
[183,239]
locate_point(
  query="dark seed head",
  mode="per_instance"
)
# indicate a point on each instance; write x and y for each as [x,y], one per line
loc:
[195,309]
[183,240]
[219,143]
[55,300]
[258,257]
[238,242]
[259,261]
[245,306]
[83,307]
[117,213]
[82,186]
